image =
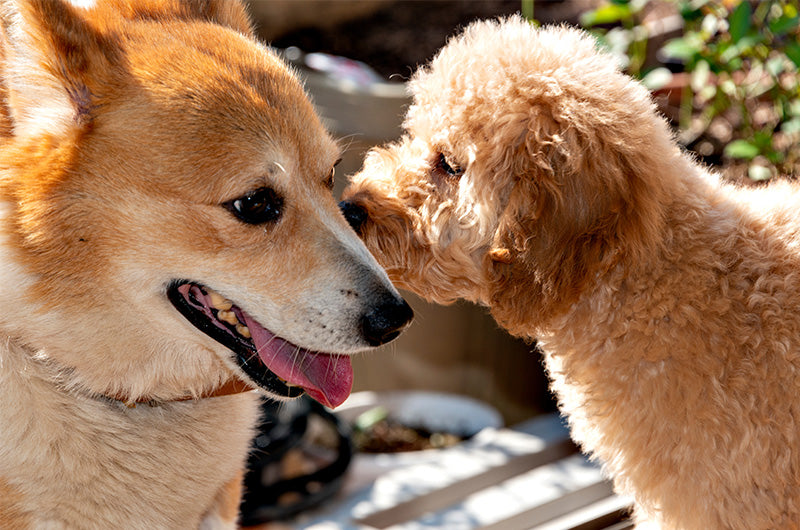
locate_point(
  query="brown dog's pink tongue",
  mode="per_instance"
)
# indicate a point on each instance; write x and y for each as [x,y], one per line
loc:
[326,378]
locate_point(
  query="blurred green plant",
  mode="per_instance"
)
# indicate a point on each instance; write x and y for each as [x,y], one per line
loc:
[742,59]
[526,10]
[627,38]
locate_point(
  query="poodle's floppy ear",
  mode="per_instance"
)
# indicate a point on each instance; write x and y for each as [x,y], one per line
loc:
[582,196]
[48,51]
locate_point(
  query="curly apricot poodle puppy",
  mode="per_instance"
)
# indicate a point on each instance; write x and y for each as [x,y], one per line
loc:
[536,179]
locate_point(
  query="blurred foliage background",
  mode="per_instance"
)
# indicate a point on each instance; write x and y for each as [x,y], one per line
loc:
[725,73]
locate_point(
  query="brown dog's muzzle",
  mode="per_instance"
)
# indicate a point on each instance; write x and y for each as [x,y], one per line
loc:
[384,322]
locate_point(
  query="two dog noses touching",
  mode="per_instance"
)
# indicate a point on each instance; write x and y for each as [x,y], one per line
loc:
[389,315]
[386,316]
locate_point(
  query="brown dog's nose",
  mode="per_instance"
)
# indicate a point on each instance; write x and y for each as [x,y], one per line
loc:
[384,322]
[355,214]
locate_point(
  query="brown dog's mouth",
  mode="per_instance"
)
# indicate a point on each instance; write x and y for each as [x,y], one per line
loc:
[273,363]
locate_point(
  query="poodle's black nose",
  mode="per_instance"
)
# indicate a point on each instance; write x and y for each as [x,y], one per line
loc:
[384,322]
[355,215]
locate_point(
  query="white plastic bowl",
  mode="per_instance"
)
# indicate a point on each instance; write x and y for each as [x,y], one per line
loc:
[433,411]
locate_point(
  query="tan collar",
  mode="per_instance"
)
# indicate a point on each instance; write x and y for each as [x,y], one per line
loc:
[232,386]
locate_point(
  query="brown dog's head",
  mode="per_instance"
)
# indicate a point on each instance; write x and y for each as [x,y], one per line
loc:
[168,216]
[530,164]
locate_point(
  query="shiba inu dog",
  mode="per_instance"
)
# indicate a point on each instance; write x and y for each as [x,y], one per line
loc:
[168,239]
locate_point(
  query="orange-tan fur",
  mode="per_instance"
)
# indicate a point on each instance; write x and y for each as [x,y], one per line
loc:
[11,512]
[667,301]
[125,126]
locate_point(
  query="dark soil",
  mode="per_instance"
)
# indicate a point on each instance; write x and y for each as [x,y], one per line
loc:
[389,436]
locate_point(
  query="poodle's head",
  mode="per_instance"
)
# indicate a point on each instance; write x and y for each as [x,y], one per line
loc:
[529,164]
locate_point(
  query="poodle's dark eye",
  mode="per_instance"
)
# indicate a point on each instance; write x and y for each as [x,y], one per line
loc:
[263,205]
[445,169]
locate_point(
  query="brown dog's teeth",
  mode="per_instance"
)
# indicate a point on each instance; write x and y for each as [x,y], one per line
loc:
[244,331]
[218,301]
[228,316]
[287,383]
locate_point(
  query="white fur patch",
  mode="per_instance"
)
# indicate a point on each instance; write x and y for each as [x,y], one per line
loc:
[83,4]
[38,101]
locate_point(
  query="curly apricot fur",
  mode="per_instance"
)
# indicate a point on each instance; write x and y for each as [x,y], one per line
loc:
[666,301]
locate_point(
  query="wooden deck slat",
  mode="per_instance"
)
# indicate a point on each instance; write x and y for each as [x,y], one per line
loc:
[506,479]
[527,493]
[604,514]
[449,495]
[577,504]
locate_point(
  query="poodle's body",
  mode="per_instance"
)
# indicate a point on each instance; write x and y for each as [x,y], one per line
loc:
[536,179]
[681,373]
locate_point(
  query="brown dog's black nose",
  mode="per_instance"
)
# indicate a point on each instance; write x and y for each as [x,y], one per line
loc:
[355,215]
[384,322]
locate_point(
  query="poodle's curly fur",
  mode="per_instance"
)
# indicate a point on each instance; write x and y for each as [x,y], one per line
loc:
[538,180]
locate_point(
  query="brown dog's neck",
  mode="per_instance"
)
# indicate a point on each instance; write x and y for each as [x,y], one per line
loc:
[229,388]
[36,366]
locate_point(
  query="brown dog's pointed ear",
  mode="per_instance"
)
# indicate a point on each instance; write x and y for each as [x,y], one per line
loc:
[47,53]
[229,13]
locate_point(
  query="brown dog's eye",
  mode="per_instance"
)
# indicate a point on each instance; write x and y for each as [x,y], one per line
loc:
[330,180]
[263,205]
[444,169]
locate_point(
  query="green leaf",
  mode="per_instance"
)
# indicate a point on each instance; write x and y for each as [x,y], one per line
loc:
[683,49]
[707,93]
[711,24]
[728,87]
[748,42]
[759,173]
[776,157]
[775,66]
[791,127]
[729,53]
[763,139]
[657,78]
[692,10]
[741,149]
[735,64]
[792,51]
[740,20]
[605,14]
[370,417]
[700,75]
[784,25]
